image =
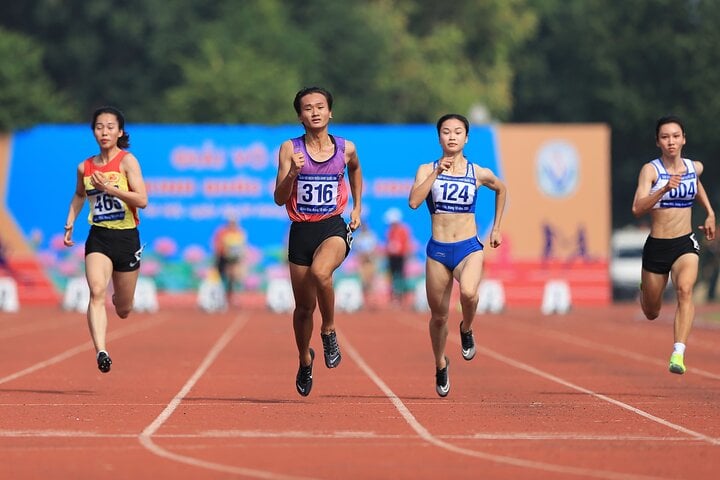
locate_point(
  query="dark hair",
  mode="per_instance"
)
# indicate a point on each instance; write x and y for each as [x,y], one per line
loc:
[456,116]
[124,141]
[668,119]
[307,91]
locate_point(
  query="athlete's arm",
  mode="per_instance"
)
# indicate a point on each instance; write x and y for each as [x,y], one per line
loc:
[136,197]
[356,183]
[424,178]
[289,165]
[644,201]
[488,179]
[76,204]
[709,226]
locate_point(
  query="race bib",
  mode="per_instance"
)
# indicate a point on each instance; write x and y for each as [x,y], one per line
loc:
[317,193]
[106,208]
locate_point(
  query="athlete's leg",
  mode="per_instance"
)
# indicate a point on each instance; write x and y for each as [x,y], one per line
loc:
[652,287]
[124,284]
[684,276]
[468,274]
[328,257]
[438,286]
[98,271]
[304,292]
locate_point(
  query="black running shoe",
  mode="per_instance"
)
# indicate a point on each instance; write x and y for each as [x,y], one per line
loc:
[331,349]
[442,380]
[303,380]
[104,362]
[468,344]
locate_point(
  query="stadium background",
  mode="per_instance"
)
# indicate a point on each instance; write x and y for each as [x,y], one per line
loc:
[556,224]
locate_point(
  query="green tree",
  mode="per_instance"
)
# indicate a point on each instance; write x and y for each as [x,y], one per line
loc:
[108,53]
[625,66]
[26,93]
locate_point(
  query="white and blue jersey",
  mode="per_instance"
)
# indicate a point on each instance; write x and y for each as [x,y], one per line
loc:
[450,194]
[681,197]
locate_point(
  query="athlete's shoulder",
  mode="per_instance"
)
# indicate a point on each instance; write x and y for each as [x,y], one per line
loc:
[128,155]
[350,147]
[697,165]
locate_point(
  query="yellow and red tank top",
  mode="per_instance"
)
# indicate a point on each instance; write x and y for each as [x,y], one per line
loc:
[319,191]
[105,210]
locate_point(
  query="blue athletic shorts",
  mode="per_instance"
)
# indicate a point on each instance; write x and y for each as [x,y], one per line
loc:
[451,254]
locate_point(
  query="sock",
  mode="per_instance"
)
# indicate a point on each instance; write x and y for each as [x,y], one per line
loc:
[679,348]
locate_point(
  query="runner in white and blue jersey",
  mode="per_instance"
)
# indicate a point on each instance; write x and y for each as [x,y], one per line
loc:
[667,188]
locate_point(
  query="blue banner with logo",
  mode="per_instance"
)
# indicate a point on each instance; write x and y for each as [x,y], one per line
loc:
[197,176]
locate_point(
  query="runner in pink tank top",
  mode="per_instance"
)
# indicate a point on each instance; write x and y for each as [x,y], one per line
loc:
[311,185]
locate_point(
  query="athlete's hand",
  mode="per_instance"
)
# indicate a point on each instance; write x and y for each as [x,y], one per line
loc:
[298,161]
[67,238]
[709,228]
[495,238]
[99,181]
[354,220]
[445,164]
[673,182]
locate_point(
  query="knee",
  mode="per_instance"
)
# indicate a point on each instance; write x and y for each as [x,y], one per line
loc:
[321,277]
[438,320]
[468,295]
[684,293]
[304,311]
[97,293]
[123,312]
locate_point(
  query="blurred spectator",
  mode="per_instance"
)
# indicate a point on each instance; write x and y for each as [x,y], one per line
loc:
[5,269]
[365,247]
[711,267]
[397,249]
[230,244]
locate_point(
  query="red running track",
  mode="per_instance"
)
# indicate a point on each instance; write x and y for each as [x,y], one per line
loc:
[193,395]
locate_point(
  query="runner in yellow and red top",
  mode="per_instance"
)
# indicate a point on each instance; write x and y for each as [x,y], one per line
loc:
[311,185]
[230,243]
[113,185]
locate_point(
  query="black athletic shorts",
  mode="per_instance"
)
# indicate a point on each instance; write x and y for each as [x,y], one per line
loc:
[659,254]
[121,246]
[306,237]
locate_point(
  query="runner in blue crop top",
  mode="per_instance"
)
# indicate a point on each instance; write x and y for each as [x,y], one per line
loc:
[448,186]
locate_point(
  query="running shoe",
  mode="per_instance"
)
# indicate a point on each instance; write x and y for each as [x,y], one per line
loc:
[442,380]
[677,365]
[468,344]
[331,349]
[103,362]
[303,380]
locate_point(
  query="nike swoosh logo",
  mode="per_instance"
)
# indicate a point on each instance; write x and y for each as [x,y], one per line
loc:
[445,388]
[138,256]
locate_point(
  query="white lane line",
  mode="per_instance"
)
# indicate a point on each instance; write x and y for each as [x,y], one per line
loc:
[575,340]
[503,459]
[84,347]
[600,396]
[146,439]
[535,371]
[347,435]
